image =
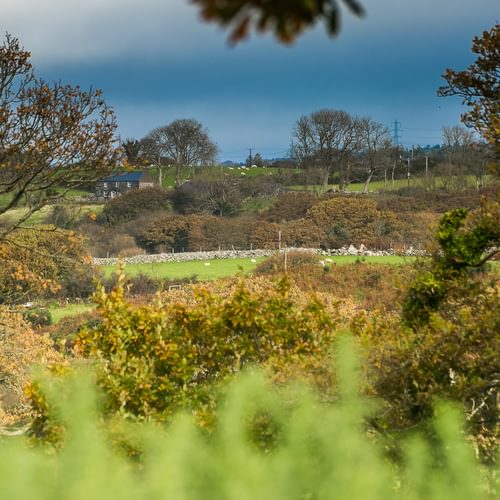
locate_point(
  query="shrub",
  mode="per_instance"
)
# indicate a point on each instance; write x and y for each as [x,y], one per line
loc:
[350,220]
[163,234]
[38,317]
[156,357]
[20,349]
[219,197]
[453,356]
[110,241]
[63,216]
[290,206]
[41,262]
[132,204]
[295,260]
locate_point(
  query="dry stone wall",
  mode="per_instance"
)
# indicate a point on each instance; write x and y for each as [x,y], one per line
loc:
[236,254]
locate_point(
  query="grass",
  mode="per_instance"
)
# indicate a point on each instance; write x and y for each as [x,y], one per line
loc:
[220,268]
[59,312]
[357,187]
[217,268]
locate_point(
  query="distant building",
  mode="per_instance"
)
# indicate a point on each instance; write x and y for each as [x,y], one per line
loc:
[115,185]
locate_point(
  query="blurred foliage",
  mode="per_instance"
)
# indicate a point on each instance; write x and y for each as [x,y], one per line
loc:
[286,19]
[267,443]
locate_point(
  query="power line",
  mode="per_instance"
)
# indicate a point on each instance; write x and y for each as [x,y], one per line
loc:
[395,136]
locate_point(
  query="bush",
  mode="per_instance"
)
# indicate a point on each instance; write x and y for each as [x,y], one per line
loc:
[290,206]
[355,220]
[164,234]
[453,356]
[154,358]
[20,349]
[41,262]
[38,317]
[132,204]
[219,197]
[63,216]
[295,260]
[109,241]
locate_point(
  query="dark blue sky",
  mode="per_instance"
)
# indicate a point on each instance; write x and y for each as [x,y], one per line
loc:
[155,62]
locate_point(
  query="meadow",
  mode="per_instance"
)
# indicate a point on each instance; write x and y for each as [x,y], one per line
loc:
[221,268]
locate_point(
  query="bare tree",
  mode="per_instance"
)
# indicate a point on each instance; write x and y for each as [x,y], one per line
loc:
[184,142]
[375,142]
[327,138]
[53,137]
[152,152]
[457,142]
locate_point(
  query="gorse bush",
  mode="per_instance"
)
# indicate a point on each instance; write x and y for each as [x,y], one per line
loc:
[20,348]
[267,443]
[43,262]
[153,359]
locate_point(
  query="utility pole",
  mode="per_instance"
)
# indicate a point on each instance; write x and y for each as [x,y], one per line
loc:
[250,156]
[426,167]
[409,173]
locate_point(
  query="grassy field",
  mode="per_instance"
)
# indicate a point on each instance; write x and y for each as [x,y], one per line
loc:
[59,312]
[220,268]
[204,270]
[374,186]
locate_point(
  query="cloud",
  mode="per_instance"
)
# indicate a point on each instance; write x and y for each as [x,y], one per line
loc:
[59,31]
[62,31]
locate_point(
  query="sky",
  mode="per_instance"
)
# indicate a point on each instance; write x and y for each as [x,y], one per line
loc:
[156,61]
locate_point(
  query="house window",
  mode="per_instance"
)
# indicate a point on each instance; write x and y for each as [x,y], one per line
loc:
[129,184]
[105,185]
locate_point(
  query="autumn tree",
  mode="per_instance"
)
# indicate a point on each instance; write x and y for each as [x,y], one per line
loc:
[183,142]
[53,137]
[286,19]
[479,87]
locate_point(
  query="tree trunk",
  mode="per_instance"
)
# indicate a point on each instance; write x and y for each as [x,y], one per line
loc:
[177,175]
[367,182]
[326,175]
[160,175]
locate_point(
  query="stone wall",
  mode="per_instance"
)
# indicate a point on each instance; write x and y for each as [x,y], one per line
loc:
[235,254]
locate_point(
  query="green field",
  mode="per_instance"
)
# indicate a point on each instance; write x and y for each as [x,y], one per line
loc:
[203,270]
[415,182]
[59,312]
[220,268]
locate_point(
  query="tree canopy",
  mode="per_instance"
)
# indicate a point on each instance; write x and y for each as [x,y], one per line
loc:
[52,136]
[479,87]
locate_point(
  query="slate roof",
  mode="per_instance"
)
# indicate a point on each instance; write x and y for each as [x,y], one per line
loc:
[127,177]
